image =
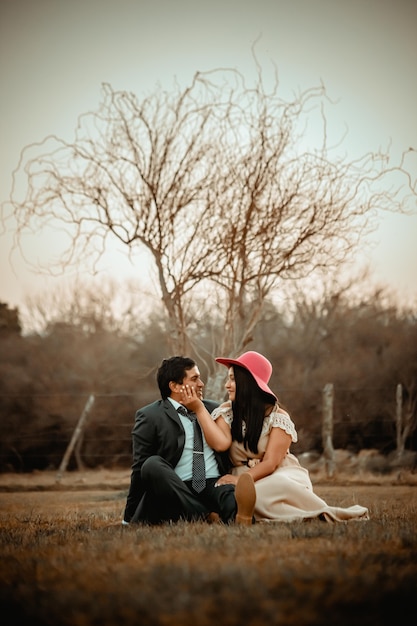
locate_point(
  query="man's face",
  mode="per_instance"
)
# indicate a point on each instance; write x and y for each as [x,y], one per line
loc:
[193,379]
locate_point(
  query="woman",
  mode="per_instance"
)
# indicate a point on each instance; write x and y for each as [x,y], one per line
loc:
[260,434]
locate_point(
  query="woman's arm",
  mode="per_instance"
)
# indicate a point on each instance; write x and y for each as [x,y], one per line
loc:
[278,443]
[216,432]
[277,447]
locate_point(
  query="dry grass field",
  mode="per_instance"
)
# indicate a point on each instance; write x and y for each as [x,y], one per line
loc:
[66,560]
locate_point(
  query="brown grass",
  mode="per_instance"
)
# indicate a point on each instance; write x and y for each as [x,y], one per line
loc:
[66,560]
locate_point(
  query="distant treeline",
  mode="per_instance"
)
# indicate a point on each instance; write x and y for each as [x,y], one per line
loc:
[365,350]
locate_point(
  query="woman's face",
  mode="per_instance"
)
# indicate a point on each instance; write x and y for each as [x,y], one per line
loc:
[231,384]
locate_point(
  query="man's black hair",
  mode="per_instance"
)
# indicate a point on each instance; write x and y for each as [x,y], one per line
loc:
[173,369]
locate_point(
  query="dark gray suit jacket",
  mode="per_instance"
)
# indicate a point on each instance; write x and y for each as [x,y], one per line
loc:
[158,431]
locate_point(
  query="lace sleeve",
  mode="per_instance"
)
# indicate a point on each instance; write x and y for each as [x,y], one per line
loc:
[282,420]
[225,411]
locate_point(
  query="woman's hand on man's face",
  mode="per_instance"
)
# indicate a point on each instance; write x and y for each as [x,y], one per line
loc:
[191,397]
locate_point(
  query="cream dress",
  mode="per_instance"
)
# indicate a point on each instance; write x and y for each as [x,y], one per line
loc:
[287,494]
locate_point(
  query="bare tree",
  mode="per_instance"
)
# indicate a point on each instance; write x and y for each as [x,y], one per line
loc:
[217,182]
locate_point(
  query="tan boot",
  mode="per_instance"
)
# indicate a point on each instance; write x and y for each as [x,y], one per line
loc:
[245,495]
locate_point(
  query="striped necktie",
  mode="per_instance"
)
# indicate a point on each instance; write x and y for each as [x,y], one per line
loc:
[199,469]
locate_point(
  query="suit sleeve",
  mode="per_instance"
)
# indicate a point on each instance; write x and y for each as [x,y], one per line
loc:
[210,405]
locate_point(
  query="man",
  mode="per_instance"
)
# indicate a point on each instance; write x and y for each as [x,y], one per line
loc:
[162,487]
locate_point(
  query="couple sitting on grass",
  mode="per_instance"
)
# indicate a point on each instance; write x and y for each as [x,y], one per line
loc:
[196,460]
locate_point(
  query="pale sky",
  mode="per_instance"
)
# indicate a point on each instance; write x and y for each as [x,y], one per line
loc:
[55,55]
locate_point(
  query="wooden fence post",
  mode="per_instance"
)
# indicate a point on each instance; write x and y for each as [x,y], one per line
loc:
[327,429]
[77,432]
[399,417]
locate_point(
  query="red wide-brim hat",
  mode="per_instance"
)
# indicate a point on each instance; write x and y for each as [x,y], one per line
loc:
[257,365]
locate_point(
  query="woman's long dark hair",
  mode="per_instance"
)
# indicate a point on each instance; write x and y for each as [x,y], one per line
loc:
[248,406]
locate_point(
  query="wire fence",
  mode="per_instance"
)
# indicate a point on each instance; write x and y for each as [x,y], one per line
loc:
[89,429]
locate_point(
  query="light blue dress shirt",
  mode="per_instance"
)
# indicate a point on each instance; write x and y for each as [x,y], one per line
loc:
[184,466]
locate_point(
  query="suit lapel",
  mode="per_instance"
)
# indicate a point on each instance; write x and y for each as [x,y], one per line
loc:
[171,412]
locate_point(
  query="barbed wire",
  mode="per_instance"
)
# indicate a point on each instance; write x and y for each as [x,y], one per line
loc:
[117,394]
